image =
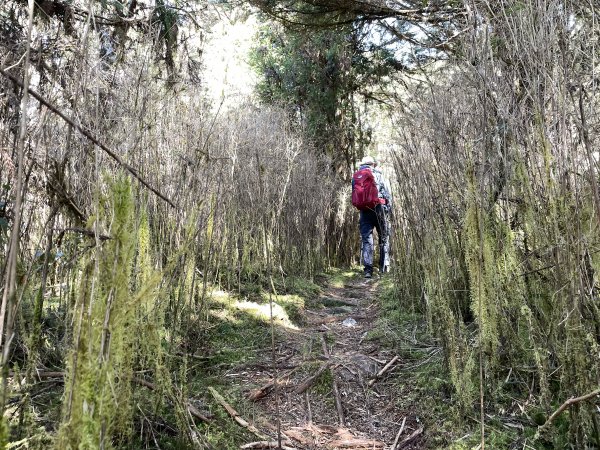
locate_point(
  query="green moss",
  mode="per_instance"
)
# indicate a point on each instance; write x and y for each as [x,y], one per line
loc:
[98,402]
[293,306]
[301,287]
[4,433]
[323,385]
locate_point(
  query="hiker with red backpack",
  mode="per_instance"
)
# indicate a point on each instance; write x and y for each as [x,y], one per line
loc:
[371,195]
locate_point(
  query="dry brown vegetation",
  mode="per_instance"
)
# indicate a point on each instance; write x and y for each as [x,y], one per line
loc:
[126,197]
[497,169]
[137,196]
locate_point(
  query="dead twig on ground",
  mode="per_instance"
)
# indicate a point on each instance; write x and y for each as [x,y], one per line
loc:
[410,438]
[235,415]
[311,380]
[265,445]
[336,390]
[384,370]
[263,391]
[394,445]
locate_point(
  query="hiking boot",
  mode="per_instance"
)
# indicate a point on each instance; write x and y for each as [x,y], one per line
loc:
[368,271]
[368,275]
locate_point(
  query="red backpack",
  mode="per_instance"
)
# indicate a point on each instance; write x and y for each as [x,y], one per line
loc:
[365,194]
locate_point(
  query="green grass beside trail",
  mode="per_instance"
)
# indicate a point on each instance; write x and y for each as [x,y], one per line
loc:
[424,387]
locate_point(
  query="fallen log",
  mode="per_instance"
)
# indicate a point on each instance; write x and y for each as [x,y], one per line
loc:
[265,445]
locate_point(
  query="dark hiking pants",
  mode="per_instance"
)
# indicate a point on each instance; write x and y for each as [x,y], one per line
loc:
[377,219]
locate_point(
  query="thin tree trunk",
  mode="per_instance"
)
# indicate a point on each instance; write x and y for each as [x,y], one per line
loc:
[7,314]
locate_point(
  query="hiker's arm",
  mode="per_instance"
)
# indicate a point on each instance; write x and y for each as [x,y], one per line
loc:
[387,192]
[384,190]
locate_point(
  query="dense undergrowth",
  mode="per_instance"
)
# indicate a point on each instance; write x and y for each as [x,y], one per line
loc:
[425,387]
[500,251]
[110,262]
[230,330]
[145,227]
[121,329]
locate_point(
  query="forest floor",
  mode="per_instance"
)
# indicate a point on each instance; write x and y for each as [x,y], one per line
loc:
[355,371]
[351,375]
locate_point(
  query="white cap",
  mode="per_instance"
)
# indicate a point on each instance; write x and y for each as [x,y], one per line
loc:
[367,161]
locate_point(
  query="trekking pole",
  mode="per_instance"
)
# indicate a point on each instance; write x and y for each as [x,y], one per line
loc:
[389,242]
[360,252]
[386,245]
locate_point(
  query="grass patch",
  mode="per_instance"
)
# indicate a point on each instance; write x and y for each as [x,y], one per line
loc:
[235,342]
[333,303]
[338,278]
[301,287]
[227,307]
[311,349]
[424,385]
[323,384]
[236,333]
[293,307]
[321,388]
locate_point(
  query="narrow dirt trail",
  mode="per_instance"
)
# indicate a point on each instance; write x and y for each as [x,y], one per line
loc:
[337,388]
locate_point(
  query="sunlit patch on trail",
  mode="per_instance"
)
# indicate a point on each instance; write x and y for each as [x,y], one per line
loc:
[263,312]
[285,308]
[220,295]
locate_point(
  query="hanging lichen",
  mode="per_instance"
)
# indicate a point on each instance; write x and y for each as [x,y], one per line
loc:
[97,408]
[480,258]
